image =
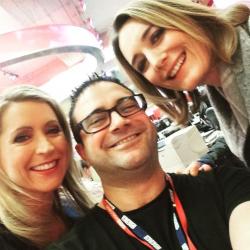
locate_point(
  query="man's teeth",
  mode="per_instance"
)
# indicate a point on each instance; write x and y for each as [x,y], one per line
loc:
[177,66]
[125,140]
[45,166]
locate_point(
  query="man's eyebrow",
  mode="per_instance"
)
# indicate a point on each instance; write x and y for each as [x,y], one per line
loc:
[101,109]
[144,35]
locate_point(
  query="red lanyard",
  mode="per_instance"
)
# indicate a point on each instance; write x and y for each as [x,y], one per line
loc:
[133,230]
[180,211]
[110,209]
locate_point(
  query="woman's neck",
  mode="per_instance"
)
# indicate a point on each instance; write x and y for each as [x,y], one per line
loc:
[57,228]
[42,208]
[213,77]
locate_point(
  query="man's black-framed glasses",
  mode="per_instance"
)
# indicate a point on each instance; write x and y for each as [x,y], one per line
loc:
[101,119]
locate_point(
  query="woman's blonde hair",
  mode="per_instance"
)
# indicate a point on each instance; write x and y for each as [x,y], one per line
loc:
[16,205]
[213,28]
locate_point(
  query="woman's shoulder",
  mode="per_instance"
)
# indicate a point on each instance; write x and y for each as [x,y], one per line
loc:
[247,26]
[9,241]
[244,29]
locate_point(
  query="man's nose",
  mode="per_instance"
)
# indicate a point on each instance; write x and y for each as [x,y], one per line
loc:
[44,145]
[117,121]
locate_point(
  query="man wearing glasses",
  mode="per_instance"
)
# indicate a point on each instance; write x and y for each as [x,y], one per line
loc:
[143,207]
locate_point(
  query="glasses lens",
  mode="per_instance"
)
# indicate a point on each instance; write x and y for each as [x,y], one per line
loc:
[96,121]
[130,105]
[126,106]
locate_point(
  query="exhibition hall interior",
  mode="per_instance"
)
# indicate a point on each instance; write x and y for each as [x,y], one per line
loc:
[57,44]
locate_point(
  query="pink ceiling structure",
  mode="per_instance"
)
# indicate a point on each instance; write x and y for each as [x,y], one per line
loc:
[52,40]
[35,55]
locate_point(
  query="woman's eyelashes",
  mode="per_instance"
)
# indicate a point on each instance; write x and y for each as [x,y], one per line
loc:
[156,35]
[54,130]
[23,137]
[141,66]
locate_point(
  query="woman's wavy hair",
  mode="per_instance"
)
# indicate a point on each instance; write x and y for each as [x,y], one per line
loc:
[212,27]
[17,206]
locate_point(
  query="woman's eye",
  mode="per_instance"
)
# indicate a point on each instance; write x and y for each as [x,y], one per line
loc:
[54,130]
[156,35]
[21,138]
[141,65]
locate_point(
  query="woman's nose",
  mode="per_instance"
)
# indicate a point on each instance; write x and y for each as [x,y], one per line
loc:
[44,145]
[156,58]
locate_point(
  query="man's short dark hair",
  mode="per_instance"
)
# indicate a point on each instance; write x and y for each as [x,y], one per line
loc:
[77,93]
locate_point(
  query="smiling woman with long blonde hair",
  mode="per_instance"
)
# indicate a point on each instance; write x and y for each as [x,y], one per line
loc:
[169,46]
[39,184]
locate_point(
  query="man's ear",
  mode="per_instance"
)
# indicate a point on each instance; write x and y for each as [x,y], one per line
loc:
[81,151]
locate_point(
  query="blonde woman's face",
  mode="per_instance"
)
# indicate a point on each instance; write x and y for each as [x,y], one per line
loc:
[167,58]
[34,152]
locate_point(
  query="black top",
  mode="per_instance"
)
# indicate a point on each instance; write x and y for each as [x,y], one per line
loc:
[208,201]
[9,241]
